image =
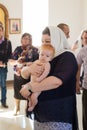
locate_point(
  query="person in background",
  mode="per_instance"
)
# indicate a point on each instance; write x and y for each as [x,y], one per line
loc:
[65,28]
[5,55]
[56,108]
[80,42]
[82,64]
[21,56]
[46,54]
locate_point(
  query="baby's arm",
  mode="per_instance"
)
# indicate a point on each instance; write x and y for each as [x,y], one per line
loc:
[45,72]
[24,71]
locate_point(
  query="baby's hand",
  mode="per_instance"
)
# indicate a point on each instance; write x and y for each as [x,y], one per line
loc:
[21,59]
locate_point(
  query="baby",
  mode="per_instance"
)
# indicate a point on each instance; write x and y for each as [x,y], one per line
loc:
[46,54]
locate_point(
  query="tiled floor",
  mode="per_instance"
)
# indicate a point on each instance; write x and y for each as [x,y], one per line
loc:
[10,122]
[20,122]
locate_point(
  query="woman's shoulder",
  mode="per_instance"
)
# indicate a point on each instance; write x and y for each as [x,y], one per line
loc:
[83,49]
[82,52]
[35,48]
[69,56]
[66,54]
[66,57]
[19,47]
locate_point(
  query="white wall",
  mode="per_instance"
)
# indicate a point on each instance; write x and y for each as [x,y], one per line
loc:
[15,11]
[85,15]
[36,19]
[69,12]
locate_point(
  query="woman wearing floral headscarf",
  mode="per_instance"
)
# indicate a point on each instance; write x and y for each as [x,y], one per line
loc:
[56,108]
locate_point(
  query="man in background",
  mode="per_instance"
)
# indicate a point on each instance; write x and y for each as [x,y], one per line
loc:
[65,28]
[5,55]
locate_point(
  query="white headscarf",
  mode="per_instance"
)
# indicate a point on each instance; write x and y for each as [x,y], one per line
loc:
[58,40]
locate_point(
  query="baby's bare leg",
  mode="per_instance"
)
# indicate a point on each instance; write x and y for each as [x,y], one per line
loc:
[33,100]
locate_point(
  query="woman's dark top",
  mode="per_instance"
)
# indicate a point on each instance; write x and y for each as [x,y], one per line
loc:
[59,105]
[31,56]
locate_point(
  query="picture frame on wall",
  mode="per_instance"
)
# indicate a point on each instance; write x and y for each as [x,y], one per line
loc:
[14,26]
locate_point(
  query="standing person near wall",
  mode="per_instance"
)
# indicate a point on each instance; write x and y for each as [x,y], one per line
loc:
[65,28]
[21,56]
[82,61]
[80,42]
[5,55]
[56,108]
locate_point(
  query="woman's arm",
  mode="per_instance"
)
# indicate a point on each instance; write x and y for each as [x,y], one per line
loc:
[48,83]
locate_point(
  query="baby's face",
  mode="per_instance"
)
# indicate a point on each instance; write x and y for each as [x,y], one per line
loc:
[45,55]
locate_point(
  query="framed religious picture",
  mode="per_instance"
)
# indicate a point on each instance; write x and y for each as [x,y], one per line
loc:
[14,26]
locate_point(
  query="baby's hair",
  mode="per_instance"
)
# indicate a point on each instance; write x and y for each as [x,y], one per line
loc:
[48,47]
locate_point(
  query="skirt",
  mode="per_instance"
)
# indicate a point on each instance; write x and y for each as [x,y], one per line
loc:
[18,82]
[52,126]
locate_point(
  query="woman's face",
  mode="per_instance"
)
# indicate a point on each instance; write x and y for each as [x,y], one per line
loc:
[26,41]
[46,39]
[84,38]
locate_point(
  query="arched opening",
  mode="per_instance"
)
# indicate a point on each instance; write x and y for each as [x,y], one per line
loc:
[4,18]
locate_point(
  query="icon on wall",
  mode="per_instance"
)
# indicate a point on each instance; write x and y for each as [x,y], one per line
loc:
[14,26]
